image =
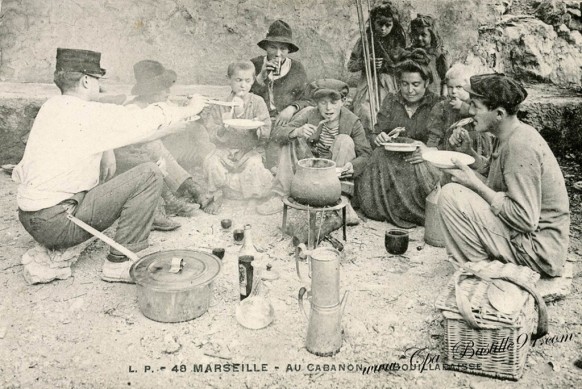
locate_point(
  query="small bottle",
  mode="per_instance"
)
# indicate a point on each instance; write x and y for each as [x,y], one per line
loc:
[245,275]
[248,247]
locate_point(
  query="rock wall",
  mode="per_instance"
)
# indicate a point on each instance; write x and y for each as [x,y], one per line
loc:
[544,46]
[556,113]
[199,38]
[16,118]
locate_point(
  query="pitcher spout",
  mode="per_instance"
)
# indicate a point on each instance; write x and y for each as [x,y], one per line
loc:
[343,302]
[301,252]
[300,299]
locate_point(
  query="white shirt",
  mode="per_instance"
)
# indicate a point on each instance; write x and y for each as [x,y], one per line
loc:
[66,143]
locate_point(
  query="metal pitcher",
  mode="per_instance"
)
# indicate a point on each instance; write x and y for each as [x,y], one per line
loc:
[324,331]
[323,274]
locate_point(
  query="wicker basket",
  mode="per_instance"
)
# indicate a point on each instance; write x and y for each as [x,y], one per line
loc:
[480,339]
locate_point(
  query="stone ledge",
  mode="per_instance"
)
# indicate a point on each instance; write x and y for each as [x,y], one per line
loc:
[555,112]
[33,91]
[20,102]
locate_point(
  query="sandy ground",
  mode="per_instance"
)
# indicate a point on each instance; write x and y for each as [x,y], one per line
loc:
[86,333]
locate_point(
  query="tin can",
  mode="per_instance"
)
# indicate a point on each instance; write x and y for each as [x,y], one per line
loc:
[245,275]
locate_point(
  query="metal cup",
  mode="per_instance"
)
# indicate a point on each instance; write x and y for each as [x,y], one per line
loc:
[396,241]
[277,71]
[238,236]
[226,223]
[219,252]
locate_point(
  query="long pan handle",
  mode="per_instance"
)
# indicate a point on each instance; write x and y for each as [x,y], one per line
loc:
[128,253]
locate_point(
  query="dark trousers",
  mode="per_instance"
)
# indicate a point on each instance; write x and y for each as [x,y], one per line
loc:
[131,197]
[191,147]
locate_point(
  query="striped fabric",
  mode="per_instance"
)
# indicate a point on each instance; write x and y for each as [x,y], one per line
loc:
[326,140]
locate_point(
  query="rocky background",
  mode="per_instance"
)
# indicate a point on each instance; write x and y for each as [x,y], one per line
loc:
[199,38]
[539,42]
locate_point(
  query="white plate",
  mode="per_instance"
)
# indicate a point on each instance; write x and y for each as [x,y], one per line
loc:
[400,147]
[8,168]
[506,297]
[443,159]
[243,124]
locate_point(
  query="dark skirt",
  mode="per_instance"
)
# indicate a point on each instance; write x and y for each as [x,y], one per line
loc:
[391,189]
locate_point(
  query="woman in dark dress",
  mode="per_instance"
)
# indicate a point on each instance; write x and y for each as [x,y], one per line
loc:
[394,185]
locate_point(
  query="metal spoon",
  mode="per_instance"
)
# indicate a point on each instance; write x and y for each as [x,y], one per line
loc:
[462,122]
[225,103]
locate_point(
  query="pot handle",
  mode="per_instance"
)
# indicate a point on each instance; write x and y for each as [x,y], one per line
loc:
[128,253]
[176,265]
[301,252]
[303,291]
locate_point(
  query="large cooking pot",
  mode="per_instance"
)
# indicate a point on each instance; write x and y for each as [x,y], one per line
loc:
[175,285]
[316,183]
[172,285]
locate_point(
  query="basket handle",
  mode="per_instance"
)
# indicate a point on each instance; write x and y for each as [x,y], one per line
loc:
[464,304]
[542,329]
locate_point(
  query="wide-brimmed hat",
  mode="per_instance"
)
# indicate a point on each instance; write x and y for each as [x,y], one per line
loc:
[152,77]
[497,88]
[83,61]
[327,87]
[279,32]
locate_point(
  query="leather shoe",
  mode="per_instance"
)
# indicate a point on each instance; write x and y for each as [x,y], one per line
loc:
[116,272]
[178,207]
[164,224]
[191,190]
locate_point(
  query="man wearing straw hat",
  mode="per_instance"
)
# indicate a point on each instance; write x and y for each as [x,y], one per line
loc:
[520,213]
[59,173]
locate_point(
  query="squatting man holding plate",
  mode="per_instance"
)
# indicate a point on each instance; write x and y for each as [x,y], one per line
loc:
[520,212]
[72,136]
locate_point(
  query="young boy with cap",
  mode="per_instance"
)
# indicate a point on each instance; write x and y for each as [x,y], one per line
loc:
[520,213]
[60,170]
[328,130]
